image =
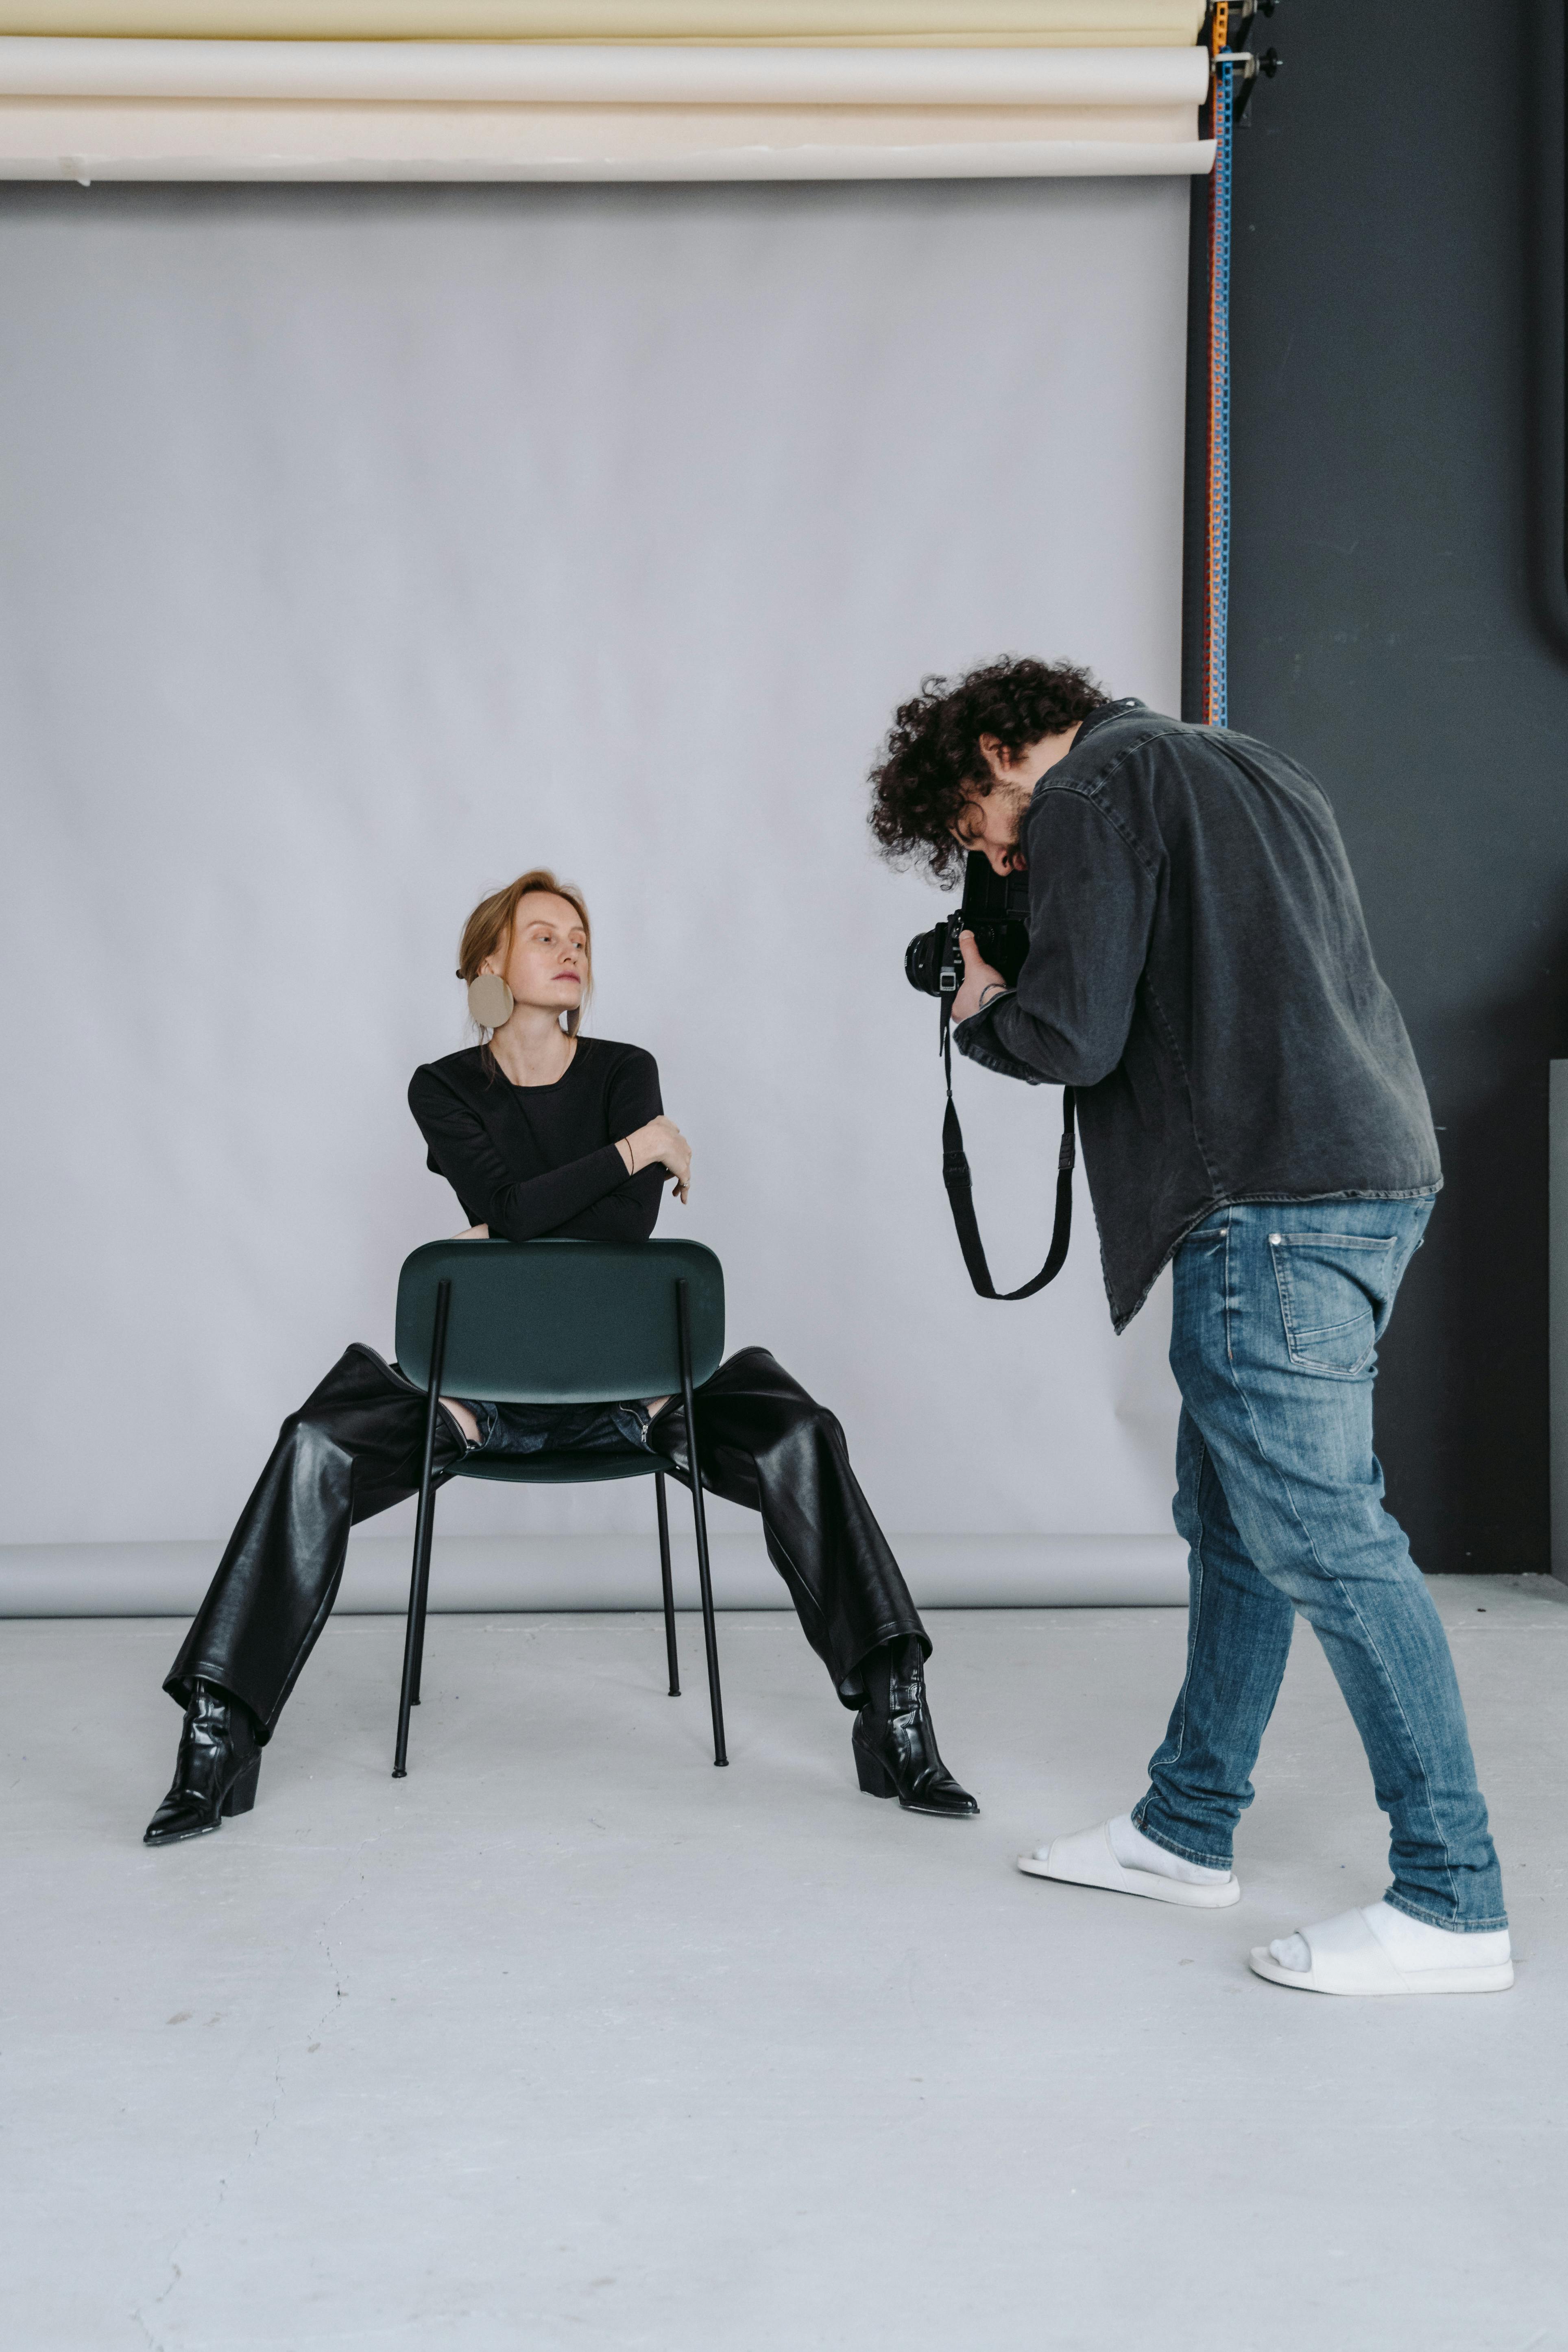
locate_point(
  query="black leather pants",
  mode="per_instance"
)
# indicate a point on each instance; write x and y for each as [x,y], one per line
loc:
[765,1442]
[354,1448]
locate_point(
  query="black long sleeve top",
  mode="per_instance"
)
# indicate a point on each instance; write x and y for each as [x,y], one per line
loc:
[1199,968]
[531,1160]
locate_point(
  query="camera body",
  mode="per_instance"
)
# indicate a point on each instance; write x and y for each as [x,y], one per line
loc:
[995,908]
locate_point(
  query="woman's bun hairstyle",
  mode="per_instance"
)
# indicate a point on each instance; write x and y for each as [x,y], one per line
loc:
[489,928]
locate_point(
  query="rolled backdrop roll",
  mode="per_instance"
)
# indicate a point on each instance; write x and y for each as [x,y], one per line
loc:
[165,110]
[364,548]
[963,23]
[600,74]
[562,143]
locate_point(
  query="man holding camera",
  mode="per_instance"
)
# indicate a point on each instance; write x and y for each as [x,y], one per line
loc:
[1198,971]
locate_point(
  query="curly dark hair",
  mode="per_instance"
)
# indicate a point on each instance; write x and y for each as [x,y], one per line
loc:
[933,756]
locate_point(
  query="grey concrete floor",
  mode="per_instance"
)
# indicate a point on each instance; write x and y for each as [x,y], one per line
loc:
[569,2040]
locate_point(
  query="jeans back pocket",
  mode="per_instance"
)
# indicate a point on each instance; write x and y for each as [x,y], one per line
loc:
[1335,1292]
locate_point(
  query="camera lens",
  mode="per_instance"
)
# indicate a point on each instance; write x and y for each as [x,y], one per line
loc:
[922,961]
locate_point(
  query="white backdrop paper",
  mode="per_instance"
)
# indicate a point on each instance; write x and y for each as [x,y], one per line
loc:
[361,549]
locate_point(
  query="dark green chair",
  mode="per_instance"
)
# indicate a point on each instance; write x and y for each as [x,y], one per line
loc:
[559,1322]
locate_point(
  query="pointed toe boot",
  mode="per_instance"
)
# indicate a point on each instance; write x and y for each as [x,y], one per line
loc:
[894,1740]
[216,1772]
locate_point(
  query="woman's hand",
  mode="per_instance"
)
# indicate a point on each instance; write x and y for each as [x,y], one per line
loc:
[660,1140]
[473,1233]
[981,980]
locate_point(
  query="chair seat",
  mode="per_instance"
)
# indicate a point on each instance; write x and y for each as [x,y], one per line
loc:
[548,1469]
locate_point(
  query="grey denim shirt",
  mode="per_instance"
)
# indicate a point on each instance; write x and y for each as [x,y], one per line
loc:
[1199,969]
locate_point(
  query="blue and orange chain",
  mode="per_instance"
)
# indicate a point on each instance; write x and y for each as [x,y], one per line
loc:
[1216,546]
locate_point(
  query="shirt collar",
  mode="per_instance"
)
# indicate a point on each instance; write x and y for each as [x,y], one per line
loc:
[1103,711]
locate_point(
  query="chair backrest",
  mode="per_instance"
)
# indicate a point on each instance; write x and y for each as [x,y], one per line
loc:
[560,1322]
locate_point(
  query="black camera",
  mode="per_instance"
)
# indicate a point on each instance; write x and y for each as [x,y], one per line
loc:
[995,908]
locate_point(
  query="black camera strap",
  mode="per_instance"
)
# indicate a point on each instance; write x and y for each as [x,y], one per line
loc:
[955,1175]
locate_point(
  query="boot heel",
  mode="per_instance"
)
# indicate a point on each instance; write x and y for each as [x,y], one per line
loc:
[874,1779]
[242,1795]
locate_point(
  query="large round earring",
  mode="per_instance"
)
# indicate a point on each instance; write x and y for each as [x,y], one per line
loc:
[489,1000]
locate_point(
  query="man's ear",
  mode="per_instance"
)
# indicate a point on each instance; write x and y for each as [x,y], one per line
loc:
[998,760]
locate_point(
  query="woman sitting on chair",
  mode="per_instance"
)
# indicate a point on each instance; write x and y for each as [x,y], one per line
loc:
[541,1130]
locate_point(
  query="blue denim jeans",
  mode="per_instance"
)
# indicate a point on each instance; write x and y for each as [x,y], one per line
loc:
[1278,1312]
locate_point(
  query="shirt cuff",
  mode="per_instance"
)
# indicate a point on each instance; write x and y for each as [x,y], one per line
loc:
[978,1040]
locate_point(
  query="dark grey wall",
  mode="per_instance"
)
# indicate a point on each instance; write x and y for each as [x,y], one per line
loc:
[1397,492]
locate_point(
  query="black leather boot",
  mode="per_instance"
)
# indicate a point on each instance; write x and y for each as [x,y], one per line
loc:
[216,1772]
[895,1742]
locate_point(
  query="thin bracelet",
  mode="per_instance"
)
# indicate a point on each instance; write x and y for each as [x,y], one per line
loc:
[998,986]
[631,1155]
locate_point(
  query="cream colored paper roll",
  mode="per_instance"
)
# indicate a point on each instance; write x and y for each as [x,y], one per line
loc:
[599,74]
[963,23]
[428,110]
[39,140]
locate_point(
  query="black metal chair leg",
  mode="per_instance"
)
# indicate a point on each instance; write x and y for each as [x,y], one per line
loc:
[668,1584]
[704,1577]
[419,1582]
[423,1596]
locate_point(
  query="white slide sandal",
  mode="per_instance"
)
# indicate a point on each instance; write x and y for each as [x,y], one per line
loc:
[1347,1957]
[1086,1859]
